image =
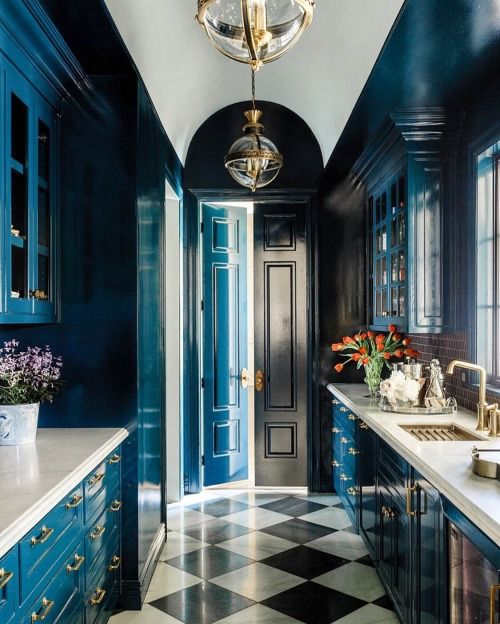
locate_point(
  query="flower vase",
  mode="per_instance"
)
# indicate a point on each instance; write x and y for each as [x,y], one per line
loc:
[373,373]
[18,424]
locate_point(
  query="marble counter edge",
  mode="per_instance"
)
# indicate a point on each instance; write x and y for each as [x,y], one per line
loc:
[482,520]
[10,535]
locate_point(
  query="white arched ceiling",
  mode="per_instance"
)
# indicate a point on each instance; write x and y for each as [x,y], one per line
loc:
[320,78]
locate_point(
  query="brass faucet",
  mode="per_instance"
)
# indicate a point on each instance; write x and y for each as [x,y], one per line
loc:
[482,407]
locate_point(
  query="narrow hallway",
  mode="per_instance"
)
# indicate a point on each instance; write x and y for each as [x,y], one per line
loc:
[252,557]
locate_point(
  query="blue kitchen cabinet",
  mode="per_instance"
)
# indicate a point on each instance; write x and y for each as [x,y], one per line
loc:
[9,586]
[344,464]
[368,514]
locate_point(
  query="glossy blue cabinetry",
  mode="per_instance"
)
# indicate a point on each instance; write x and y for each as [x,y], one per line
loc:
[344,464]
[67,568]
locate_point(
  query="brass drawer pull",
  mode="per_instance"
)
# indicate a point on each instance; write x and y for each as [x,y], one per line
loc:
[98,532]
[343,409]
[99,597]
[336,464]
[99,476]
[47,606]
[43,537]
[79,559]
[336,430]
[5,577]
[409,498]
[344,477]
[335,402]
[363,425]
[388,512]
[76,500]
[116,505]
[115,563]
[352,417]
[353,451]
[352,491]
[344,440]
[494,589]
[115,459]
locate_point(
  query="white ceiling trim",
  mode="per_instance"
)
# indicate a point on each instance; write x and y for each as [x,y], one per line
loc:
[320,79]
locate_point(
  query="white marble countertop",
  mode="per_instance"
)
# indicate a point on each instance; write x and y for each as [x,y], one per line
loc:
[447,465]
[35,477]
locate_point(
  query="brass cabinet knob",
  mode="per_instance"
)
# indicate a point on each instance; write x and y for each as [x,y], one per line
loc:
[115,459]
[352,491]
[259,380]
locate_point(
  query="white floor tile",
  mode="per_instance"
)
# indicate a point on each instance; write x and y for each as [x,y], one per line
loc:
[182,517]
[148,615]
[341,544]
[258,614]
[322,499]
[168,580]
[257,545]
[331,518]
[354,579]
[258,498]
[257,581]
[256,518]
[370,614]
[179,544]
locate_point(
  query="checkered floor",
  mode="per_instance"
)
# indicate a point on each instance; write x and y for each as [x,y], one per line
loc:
[250,557]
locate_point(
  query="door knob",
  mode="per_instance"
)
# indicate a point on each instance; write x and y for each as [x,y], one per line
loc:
[245,378]
[259,380]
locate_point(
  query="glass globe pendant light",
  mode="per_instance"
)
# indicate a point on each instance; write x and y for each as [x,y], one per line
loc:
[254,31]
[253,160]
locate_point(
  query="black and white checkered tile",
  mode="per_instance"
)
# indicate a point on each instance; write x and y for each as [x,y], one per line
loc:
[249,557]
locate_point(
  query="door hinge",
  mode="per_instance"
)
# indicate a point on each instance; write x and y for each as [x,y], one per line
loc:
[203,460]
[202,382]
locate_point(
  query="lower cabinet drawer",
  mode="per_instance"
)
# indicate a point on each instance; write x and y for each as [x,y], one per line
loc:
[62,595]
[102,588]
[46,542]
[103,534]
[102,486]
[9,586]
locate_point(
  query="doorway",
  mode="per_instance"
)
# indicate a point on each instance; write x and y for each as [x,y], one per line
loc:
[254,419]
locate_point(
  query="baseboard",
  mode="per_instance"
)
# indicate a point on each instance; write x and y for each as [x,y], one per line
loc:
[134,592]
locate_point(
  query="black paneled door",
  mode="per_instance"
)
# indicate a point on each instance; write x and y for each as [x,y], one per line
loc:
[280,273]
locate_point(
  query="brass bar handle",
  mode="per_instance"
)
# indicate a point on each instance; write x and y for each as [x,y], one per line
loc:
[388,512]
[336,430]
[99,597]
[79,560]
[352,491]
[47,606]
[5,577]
[344,440]
[344,477]
[115,563]
[43,537]
[335,402]
[364,426]
[115,459]
[116,505]
[98,532]
[353,451]
[494,589]
[259,380]
[352,417]
[99,476]
[410,489]
[343,409]
[336,464]
[76,500]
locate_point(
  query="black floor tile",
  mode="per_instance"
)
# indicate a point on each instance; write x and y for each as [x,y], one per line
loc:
[202,604]
[384,602]
[298,531]
[305,562]
[208,563]
[292,506]
[219,507]
[215,531]
[366,560]
[314,604]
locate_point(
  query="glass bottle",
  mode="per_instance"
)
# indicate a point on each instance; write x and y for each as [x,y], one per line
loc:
[435,394]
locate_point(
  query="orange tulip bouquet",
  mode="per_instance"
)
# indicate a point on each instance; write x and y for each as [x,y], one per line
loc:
[372,351]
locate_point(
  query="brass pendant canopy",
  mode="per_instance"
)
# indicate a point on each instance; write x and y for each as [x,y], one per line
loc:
[253,160]
[254,31]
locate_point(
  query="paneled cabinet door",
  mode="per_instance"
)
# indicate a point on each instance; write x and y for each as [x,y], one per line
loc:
[367,488]
[28,259]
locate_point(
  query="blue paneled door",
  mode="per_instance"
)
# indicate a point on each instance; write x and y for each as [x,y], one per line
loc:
[225,348]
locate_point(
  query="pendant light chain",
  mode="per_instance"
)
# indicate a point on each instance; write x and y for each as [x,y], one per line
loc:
[253,87]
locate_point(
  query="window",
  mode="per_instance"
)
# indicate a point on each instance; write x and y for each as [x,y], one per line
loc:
[488,263]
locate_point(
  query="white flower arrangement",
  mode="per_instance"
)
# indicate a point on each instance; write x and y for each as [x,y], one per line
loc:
[398,389]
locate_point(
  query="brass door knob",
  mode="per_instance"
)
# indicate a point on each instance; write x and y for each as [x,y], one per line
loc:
[245,378]
[259,380]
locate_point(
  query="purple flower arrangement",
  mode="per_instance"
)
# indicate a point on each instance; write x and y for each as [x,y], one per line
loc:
[30,376]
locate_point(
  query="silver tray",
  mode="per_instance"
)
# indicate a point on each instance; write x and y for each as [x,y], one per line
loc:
[422,411]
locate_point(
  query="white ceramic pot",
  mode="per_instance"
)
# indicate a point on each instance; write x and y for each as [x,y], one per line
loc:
[18,424]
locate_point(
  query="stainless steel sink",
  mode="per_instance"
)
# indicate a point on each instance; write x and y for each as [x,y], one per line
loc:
[440,433]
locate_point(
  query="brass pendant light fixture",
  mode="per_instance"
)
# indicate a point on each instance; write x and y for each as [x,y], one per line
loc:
[254,31]
[253,160]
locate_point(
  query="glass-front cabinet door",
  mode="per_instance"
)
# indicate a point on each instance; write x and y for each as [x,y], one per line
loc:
[28,263]
[387,262]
